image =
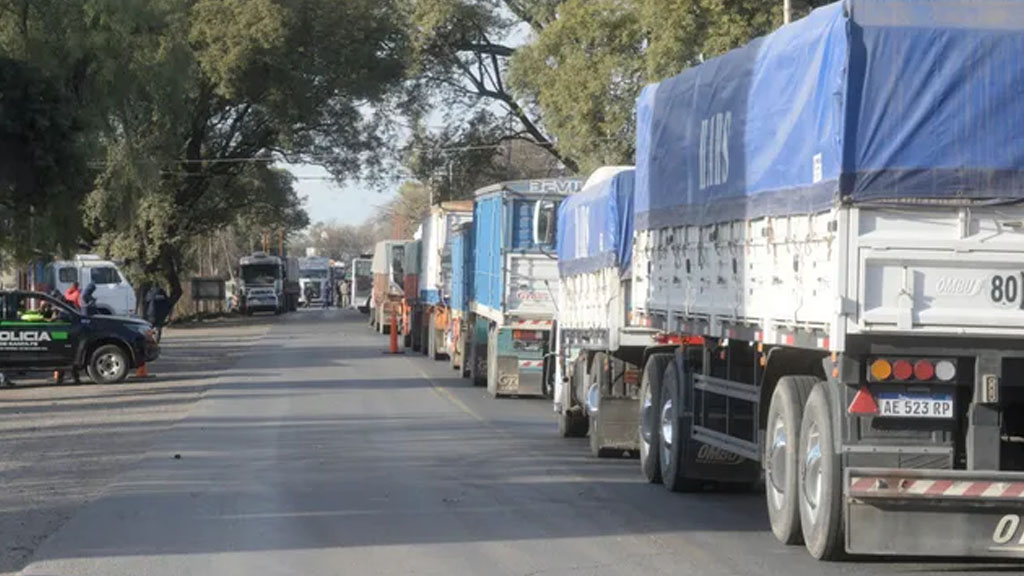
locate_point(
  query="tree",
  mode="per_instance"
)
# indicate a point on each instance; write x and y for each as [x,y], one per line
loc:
[460,57]
[398,218]
[42,165]
[458,159]
[213,92]
[586,67]
[583,71]
[341,242]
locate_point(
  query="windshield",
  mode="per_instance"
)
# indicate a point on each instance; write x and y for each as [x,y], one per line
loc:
[261,273]
[364,268]
[313,273]
[105,275]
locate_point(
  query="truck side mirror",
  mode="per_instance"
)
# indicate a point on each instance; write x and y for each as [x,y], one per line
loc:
[544,213]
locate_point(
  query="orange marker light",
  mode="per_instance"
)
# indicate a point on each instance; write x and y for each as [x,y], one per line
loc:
[881,369]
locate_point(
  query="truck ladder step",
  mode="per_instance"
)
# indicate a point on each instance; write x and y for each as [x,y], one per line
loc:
[727,388]
[739,446]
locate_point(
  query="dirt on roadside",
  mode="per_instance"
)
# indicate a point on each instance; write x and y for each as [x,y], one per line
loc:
[61,445]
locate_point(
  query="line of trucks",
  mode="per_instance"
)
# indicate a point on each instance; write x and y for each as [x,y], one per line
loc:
[812,280]
[272,283]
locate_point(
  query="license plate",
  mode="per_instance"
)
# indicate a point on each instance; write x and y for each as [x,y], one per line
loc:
[899,405]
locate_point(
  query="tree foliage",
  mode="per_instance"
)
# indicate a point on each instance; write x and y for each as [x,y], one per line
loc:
[206,95]
[585,68]
[460,54]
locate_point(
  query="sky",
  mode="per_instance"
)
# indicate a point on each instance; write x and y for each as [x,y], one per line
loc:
[352,203]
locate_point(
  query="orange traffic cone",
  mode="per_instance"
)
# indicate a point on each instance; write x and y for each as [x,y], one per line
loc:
[142,371]
[393,334]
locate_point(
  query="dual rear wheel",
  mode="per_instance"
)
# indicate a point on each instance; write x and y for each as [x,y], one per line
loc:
[803,477]
[803,484]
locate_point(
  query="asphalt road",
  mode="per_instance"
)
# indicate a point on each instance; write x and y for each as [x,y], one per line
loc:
[318,454]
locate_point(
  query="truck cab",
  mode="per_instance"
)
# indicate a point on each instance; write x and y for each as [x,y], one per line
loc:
[515,278]
[114,295]
[362,284]
[40,332]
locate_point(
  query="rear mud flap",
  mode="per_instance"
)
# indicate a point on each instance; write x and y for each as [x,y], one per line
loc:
[934,513]
[515,382]
[707,462]
[618,424]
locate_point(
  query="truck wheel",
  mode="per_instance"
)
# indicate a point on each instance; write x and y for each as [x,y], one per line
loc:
[108,364]
[650,400]
[675,436]
[781,455]
[416,332]
[597,377]
[492,359]
[820,477]
[572,424]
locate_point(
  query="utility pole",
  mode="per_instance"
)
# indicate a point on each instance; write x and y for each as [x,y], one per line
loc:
[787,11]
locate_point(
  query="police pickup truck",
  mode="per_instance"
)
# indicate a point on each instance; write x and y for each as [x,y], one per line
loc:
[40,332]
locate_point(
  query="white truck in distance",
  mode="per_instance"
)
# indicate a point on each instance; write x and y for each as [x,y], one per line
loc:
[114,295]
[314,281]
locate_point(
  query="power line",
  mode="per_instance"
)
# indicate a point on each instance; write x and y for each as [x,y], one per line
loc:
[327,157]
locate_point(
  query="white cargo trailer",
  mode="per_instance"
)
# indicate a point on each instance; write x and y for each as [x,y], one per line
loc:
[828,252]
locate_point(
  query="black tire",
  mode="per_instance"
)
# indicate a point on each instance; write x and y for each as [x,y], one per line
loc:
[820,474]
[782,453]
[478,376]
[572,424]
[675,433]
[463,348]
[596,376]
[432,344]
[650,400]
[492,359]
[108,364]
[416,332]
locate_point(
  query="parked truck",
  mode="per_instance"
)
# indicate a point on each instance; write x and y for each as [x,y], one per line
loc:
[828,248]
[261,283]
[598,353]
[361,284]
[315,282]
[432,316]
[514,283]
[388,280]
[410,288]
[460,286]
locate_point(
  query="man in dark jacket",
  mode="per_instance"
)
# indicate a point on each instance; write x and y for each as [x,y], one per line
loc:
[156,303]
[88,303]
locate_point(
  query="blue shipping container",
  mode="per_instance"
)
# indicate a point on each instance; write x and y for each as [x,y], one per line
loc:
[864,100]
[462,268]
[595,227]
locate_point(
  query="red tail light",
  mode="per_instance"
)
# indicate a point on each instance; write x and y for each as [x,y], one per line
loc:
[924,370]
[902,370]
[863,403]
[527,335]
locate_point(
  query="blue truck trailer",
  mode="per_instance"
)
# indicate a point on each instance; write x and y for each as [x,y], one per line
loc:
[514,281]
[828,248]
[460,285]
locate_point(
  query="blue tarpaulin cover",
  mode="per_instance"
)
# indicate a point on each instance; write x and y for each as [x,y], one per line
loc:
[595,226]
[864,100]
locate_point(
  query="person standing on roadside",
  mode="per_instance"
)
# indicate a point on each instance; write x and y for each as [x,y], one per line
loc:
[73,295]
[87,301]
[156,308]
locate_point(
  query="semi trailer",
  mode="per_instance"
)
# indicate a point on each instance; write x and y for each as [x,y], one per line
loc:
[432,315]
[514,281]
[824,288]
[388,285]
